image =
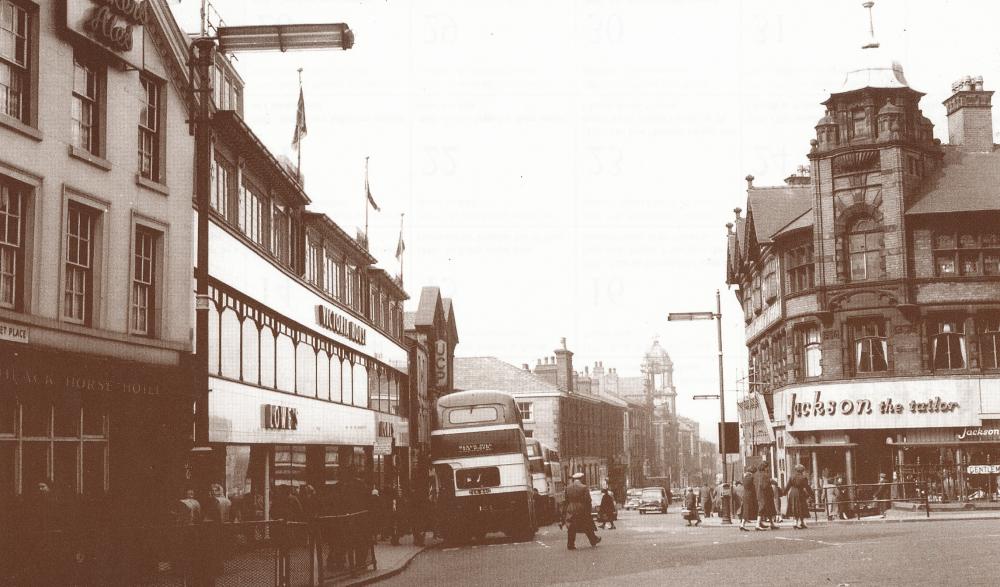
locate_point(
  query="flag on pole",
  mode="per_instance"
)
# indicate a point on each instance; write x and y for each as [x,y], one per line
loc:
[400,246]
[300,120]
[368,190]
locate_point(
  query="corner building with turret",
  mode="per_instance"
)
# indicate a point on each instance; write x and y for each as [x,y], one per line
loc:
[870,284]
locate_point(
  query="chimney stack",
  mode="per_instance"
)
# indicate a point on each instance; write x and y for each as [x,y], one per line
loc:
[970,116]
[564,367]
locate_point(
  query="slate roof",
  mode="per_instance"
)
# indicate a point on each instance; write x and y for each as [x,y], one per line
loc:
[803,221]
[492,373]
[774,207]
[430,297]
[967,182]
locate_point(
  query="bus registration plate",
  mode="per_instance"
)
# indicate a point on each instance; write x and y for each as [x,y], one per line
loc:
[479,491]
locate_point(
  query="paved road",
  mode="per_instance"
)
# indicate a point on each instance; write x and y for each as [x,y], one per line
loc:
[660,550]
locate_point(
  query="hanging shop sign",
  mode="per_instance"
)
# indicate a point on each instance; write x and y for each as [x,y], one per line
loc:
[394,428]
[116,25]
[383,446]
[931,403]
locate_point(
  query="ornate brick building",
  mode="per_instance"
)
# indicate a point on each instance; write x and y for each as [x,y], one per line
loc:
[871,295]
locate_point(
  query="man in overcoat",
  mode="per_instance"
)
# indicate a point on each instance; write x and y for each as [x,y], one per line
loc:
[578,508]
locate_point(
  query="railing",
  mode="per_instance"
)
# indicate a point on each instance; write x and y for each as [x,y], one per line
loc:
[277,552]
[868,499]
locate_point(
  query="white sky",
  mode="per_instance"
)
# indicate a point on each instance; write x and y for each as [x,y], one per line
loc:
[567,167]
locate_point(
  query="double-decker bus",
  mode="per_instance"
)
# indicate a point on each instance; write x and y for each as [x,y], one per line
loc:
[480,460]
[557,485]
[540,480]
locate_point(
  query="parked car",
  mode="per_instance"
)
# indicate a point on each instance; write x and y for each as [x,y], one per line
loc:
[677,494]
[653,499]
[633,498]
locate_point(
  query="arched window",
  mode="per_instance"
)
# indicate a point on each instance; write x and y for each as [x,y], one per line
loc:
[865,243]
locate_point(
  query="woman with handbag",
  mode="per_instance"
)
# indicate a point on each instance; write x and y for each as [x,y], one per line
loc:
[606,512]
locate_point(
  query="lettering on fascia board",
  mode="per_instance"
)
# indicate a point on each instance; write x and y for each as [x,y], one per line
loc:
[106,27]
[863,407]
[341,325]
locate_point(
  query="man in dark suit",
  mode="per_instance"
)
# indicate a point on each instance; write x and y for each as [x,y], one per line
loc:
[578,508]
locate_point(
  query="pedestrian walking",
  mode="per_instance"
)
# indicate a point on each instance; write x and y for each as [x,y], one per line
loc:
[748,508]
[737,498]
[691,507]
[607,513]
[578,507]
[708,500]
[831,495]
[882,493]
[799,493]
[765,497]
[776,489]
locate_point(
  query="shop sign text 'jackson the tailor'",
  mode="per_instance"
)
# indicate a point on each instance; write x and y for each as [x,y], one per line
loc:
[894,404]
[341,325]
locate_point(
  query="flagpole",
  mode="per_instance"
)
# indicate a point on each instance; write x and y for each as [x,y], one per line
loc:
[401,252]
[298,165]
[366,199]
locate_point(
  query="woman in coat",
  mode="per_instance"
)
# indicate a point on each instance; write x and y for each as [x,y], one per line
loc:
[765,498]
[691,505]
[799,493]
[748,510]
[606,512]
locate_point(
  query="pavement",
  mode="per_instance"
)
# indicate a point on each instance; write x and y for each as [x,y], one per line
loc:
[658,549]
[390,561]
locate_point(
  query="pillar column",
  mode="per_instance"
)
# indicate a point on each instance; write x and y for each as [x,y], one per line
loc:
[815,470]
[849,470]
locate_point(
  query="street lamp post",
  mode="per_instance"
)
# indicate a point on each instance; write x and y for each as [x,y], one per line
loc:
[717,316]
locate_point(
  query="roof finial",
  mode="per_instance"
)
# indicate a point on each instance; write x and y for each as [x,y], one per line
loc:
[872,43]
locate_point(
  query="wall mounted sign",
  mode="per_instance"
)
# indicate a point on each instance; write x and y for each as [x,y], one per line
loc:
[923,403]
[116,25]
[280,417]
[13,332]
[981,433]
[234,413]
[441,363]
[343,326]
[982,469]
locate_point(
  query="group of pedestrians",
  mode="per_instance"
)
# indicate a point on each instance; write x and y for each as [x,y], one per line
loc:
[760,498]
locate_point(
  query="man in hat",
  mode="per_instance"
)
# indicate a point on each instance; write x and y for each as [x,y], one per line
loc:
[578,508]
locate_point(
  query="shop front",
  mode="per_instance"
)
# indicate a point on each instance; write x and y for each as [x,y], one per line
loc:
[268,444]
[908,430]
[392,454]
[101,432]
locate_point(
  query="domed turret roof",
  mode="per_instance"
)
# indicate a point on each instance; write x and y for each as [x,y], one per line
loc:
[656,359]
[874,71]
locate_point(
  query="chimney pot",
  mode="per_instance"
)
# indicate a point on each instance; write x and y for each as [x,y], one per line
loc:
[562,341]
[749,179]
[737,210]
[729,228]
[525,366]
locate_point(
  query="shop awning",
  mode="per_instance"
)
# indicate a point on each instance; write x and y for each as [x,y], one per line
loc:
[815,445]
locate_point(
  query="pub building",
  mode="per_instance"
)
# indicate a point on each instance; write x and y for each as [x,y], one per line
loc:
[307,363]
[870,283]
[95,257]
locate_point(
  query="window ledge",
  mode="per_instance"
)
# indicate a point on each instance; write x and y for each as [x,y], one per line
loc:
[20,127]
[88,157]
[153,186]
